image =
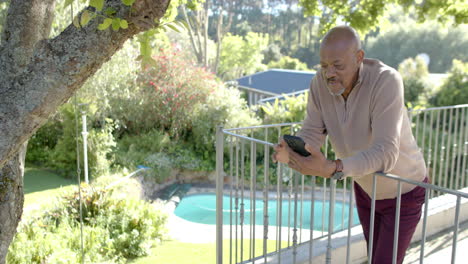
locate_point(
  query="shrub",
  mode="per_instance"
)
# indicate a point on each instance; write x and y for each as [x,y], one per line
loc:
[164,97]
[455,89]
[291,109]
[287,62]
[115,229]
[133,149]
[271,53]
[183,102]
[414,73]
[241,55]
[42,143]
[54,145]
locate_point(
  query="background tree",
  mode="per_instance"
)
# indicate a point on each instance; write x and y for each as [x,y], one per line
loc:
[455,88]
[407,39]
[414,73]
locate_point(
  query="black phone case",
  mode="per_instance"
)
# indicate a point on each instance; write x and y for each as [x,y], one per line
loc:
[296,144]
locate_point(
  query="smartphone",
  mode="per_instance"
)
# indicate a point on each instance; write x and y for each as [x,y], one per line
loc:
[296,144]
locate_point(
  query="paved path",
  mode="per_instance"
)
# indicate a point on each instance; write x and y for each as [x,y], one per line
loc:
[438,248]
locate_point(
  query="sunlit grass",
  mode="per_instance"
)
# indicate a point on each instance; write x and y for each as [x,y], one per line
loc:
[42,186]
[174,252]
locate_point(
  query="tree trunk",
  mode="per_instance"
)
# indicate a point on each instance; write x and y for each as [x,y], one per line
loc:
[11,199]
[205,34]
[196,49]
[40,74]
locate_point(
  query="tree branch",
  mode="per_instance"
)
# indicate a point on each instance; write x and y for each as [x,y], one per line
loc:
[28,21]
[58,68]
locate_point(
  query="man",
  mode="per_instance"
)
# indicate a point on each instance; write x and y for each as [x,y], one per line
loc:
[359,104]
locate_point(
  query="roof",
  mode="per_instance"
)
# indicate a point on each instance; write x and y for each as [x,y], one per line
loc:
[278,81]
[282,96]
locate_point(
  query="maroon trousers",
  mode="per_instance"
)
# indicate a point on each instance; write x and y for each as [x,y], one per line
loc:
[384,222]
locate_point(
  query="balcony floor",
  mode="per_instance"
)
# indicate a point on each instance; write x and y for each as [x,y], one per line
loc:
[438,247]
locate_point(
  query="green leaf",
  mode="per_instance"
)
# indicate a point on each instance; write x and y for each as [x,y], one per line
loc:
[116,24]
[68,2]
[183,24]
[110,11]
[173,27]
[123,24]
[85,18]
[98,4]
[76,22]
[128,2]
[105,24]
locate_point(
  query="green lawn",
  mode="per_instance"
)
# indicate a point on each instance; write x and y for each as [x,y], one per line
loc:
[174,252]
[41,185]
[36,180]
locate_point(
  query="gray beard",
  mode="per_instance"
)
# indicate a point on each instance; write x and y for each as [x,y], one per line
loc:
[340,92]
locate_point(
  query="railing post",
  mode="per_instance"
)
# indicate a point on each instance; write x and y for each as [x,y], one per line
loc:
[372,220]
[219,194]
[331,216]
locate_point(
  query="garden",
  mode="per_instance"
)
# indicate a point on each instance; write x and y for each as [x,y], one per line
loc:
[162,116]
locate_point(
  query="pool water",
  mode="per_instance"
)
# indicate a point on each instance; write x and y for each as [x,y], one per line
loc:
[201,208]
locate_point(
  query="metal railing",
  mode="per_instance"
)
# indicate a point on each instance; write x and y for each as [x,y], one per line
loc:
[270,201]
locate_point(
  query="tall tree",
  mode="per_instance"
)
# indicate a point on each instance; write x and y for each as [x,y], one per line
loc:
[39,74]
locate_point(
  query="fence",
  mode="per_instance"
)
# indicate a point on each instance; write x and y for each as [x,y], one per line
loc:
[282,217]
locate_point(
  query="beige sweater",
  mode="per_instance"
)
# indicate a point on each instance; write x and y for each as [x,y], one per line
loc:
[370,132]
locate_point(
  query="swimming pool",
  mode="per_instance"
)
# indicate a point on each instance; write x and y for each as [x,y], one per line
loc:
[201,208]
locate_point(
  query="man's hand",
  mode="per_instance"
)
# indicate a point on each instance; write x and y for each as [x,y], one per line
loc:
[281,153]
[316,164]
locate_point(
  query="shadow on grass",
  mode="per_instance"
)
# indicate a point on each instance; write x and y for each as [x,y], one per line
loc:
[37,180]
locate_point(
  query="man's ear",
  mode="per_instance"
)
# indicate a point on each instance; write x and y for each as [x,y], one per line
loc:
[360,56]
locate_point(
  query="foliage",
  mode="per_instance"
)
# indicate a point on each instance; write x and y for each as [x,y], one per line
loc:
[242,28]
[455,89]
[365,15]
[287,62]
[115,229]
[271,54]
[185,104]
[241,55]
[290,109]
[404,40]
[224,107]
[169,93]
[110,20]
[132,149]
[414,73]
[306,55]
[59,149]
[43,142]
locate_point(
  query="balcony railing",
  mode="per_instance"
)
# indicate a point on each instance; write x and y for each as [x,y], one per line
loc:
[270,202]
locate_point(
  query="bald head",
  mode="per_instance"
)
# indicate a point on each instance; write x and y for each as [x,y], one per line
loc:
[344,36]
[340,59]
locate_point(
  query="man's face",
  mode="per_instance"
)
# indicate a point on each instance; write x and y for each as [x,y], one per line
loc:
[340,64]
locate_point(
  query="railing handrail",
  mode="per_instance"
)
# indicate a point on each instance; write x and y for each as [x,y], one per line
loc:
[297,123]
[423,184]
[262,126]
[438,108]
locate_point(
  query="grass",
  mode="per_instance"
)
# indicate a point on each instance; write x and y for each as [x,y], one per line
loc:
[174,252]
[41,186]
[37,180]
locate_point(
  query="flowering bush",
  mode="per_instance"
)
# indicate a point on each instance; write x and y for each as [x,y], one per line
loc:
[169,92]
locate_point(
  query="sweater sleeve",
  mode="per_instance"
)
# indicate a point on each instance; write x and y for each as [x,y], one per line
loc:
[313,129]
[387,109]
